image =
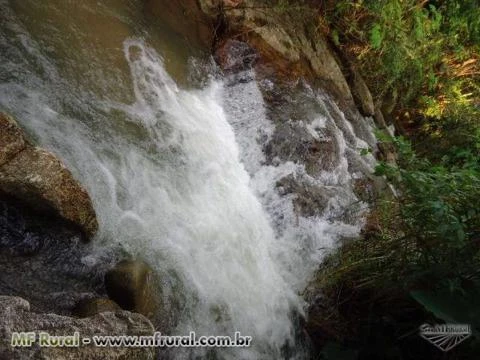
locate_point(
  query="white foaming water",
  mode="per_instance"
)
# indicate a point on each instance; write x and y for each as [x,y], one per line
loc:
[301,241]
[180,198]
[171,184]
[205,216]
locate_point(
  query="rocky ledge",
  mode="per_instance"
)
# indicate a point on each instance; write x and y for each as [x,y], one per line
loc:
[17,317]
[38,179]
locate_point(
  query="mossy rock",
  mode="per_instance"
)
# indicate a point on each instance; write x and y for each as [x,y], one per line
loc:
[133,285]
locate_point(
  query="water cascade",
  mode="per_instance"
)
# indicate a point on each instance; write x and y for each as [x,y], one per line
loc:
[179,176]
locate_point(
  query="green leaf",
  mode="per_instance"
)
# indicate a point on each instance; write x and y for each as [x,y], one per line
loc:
[376,36]
[335,37]
[365,151]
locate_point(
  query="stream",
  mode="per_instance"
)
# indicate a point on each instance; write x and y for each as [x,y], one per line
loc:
[188,169]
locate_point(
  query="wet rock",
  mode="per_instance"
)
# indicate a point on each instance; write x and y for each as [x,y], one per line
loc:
[293,142]
[309,200]
[387,153]
[132,285]
[365,188]
[38,178]
[372,227]
[186,18]
[293,108]
[232,3]
[215,8]
[286,49]
[15,316]
[234,56]
[287,45]
[91,307]
[43,259]
[389,102]
[95,32]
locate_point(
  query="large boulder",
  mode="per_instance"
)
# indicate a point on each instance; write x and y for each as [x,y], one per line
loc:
[38,179]
[133,285]
[15,316]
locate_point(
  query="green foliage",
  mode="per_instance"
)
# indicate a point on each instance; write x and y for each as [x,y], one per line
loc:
[427,53]
[365,151]
[376,36]
[418,261]
[462,20]
[428,233]
[439,209]
[422,241]
[336,37]
[417,48]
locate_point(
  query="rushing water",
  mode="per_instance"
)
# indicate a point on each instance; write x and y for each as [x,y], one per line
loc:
[177,171]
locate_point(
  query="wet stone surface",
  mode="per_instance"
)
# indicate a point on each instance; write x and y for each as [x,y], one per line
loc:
[294,109]
[43,260]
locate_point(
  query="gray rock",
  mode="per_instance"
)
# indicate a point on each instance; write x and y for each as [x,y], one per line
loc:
[292,142]
[39,179]
[309,200]
[15,316]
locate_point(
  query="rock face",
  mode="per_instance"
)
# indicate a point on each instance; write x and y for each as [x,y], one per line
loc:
[282,43]
[37,178]
[309,200]
[132,284]
[186,18]
[292,142]
[234,56]
[15,316]
[285,49]
[42,259]
[362,94]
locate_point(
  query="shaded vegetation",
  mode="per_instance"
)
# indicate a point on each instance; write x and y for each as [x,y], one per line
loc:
[418,262]
[419,259]
[422,55]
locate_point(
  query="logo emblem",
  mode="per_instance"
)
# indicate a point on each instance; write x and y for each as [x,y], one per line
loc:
[446,336]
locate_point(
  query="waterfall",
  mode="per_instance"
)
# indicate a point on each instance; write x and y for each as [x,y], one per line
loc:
[179,177]
[197,209]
